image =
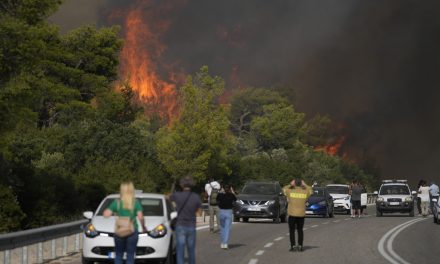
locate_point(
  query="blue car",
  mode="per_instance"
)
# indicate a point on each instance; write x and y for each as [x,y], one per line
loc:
[320,203]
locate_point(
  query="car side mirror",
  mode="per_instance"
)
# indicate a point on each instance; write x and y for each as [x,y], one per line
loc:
[173,215]
[434,200]
[88,214]
[413,192]
[376,193]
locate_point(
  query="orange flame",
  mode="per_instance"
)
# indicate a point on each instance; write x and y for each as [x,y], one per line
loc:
[141,56]
[332,149]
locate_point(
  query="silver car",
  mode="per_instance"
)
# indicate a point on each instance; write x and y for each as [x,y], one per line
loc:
[157,244]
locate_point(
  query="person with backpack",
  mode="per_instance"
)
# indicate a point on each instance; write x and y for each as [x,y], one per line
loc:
[212,188]
[225,201]
[126,207]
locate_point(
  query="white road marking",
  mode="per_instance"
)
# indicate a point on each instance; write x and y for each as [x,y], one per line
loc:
[389,237]
[207,226]
[346,219]
[278,238]
[268,245]
[313,226]
[305,229]
[259,252]
[253,261]
[336,221]
[325,223]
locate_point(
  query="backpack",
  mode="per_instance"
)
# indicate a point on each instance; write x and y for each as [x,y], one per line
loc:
[213,197]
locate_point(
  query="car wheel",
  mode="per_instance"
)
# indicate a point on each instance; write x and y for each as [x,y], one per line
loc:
[378,213]
[86,261]
[411,213]
[438,220]
[348,211]
[283,218]
[171,256]
[277,219]
[435,220]
[245,219]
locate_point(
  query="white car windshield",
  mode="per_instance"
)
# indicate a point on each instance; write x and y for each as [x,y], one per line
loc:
[394,189]
[338,189]
[150,206]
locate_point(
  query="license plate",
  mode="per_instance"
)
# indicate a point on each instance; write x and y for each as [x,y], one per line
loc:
[254,209]
[309,212]
[394,203]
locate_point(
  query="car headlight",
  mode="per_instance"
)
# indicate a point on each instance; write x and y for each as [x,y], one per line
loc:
[90,231]
[158,231]
[322,203]
[270,202]
[408,199]
[379,199]
[240,202]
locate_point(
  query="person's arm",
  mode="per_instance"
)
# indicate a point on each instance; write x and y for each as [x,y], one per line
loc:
[140,215]
[111,209]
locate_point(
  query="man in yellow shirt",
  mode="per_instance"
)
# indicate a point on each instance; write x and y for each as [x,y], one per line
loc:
[297,194]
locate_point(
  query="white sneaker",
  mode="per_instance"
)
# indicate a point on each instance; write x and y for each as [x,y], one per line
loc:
[222,245]
[226,246]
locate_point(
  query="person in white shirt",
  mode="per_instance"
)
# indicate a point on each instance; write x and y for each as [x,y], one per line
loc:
[424,198]
[210,187]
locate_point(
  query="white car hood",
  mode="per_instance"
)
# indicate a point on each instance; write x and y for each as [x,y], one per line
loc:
[394,196]
[107,224]
[338,195]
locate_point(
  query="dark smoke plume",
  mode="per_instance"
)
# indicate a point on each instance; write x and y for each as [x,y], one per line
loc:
[371,65]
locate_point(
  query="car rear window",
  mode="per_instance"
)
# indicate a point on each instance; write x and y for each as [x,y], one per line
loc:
[259,188]
[394,189]
[150,206]
[338,189]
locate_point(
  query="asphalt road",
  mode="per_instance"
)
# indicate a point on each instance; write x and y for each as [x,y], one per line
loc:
[396,239]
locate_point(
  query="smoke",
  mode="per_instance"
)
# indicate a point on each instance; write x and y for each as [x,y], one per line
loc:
[371,65]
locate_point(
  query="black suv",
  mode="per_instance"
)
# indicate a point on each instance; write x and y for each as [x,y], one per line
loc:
[263,199]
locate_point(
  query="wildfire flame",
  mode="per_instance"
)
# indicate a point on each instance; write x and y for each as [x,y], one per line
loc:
[332,149]
[141,56]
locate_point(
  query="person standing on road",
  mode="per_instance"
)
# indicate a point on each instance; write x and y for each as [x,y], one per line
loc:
[419,201]
[126,206]
[433,193]
[297,194]
[225,201]
[356,192]
[189,205]
[424,197]
[212,188]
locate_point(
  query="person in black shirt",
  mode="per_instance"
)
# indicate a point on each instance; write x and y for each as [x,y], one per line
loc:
[225,202]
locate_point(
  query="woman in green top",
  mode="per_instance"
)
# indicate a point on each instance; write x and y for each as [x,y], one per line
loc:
[130,207]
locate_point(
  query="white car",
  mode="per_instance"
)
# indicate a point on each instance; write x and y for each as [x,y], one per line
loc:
[157,244]
[436,210]
[394,196]
[341,197]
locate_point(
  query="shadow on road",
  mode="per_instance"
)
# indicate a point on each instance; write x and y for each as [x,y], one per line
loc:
[231,246]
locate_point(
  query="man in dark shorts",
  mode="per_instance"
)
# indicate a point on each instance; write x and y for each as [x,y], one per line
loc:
[356,192]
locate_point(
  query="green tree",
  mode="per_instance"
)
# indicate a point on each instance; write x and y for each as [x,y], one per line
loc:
[279,126]
[197,143]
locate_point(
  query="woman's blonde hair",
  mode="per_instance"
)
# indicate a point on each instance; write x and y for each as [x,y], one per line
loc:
[127,195]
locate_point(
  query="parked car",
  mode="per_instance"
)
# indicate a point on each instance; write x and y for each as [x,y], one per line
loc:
[395,196]
[320,203]
[157,244]
[341,197]
[264,199]
[436,210]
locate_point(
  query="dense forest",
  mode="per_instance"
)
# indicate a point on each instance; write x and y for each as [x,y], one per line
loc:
[71,129]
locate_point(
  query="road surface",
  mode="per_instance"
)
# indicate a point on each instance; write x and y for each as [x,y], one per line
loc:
[396,239]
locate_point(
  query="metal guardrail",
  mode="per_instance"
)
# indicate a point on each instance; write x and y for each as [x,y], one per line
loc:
[38,236]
